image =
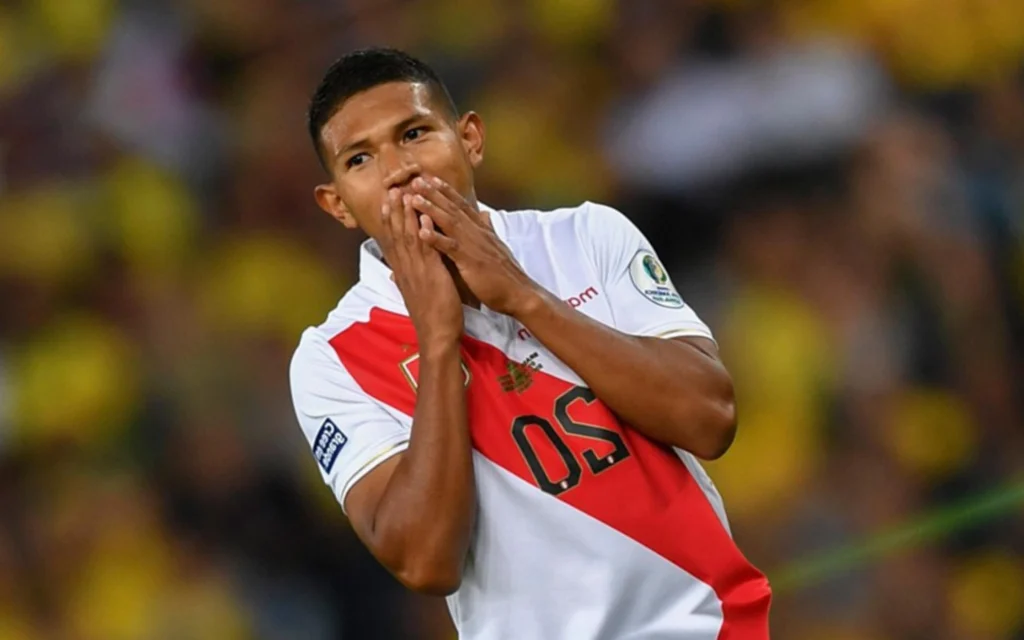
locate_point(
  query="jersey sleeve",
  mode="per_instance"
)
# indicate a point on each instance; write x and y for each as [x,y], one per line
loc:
[643,300]
[349,433]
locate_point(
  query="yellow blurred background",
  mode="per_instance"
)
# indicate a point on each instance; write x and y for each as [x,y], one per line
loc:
[837,186]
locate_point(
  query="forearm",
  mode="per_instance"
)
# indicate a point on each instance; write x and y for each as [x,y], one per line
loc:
[671,391]
[423,523]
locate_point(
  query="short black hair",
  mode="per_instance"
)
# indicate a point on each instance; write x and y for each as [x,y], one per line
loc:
[365,69]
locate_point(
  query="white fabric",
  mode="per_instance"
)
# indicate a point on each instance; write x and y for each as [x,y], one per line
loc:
[538,568]
[614,242]
[323,390]
[535,573]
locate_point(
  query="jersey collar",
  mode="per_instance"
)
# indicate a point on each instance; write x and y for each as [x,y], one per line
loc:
[377,276]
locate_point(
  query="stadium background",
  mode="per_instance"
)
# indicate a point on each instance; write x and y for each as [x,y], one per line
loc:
[836,185]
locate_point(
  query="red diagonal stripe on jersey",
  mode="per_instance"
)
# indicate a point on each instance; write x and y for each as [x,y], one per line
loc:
[650,497]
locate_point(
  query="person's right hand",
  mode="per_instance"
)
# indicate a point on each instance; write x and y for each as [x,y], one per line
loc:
[425,283]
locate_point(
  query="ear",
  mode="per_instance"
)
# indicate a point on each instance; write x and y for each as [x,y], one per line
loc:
[327,197]
[471,131]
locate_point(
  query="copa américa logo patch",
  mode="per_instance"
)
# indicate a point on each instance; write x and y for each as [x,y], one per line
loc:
[651,280]
[328,444]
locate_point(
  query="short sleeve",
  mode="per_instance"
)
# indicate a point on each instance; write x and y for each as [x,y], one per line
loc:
[643,300]
[349,433]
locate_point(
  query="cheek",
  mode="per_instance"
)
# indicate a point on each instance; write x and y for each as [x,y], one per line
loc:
[449,164]
[363,197]
[442,152]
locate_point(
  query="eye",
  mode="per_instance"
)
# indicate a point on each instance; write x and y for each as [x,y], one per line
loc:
[356,160]
[414,133]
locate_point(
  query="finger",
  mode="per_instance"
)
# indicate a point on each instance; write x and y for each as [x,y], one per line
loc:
[434,240]
[385,226]
[414,246]
[391,213]
[438,209]
[397,218]
[428,189]
[458,202]
[397,214]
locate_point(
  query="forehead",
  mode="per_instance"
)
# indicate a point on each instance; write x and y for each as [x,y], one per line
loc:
[375,109]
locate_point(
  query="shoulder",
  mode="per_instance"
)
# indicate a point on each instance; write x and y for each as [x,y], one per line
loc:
[587,221]
[314,365]
[600,223]
[357,334]
[315,357]
[355,307]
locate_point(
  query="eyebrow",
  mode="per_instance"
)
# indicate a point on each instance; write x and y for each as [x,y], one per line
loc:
[365,142]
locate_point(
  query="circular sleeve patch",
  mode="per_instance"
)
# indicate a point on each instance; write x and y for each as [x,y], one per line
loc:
[652,281]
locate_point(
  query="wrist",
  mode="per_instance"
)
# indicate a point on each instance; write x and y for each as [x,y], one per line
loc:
[530,301]
[439,347]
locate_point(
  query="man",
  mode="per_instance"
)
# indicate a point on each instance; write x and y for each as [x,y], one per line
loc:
[507,404]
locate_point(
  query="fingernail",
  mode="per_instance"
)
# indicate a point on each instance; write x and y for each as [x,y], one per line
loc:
[385,210]
[406,199]
[419,183]
[437,181]
[418,199]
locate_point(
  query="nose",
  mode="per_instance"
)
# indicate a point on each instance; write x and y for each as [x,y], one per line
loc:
[399,168]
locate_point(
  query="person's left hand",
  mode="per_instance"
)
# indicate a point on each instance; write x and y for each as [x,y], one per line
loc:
[468,239]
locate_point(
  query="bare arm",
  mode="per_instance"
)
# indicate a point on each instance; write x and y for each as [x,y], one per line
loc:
[415,512]
[675,391]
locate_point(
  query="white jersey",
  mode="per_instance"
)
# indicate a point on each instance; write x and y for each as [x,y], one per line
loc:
[586,529]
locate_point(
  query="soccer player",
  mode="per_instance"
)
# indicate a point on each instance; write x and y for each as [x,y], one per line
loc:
[508,404]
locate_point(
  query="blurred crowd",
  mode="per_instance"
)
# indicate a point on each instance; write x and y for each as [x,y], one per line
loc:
[837,186]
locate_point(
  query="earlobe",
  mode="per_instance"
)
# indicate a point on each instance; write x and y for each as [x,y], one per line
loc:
[327,198]
[472,129]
